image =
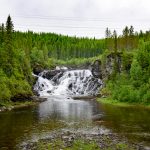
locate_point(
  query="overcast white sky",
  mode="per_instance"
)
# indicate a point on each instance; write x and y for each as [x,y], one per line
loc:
[76,17]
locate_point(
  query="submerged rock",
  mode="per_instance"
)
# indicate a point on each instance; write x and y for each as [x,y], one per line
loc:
[62,140]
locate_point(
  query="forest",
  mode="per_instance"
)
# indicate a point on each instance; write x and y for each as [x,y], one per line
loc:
[22,52]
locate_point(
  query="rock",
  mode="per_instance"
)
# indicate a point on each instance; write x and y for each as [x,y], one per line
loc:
[96,69]
[22,97]
[49,74]
[37,68]
[97,117]
[84,97]
[3,108]
[146,148]
[9,108]
[38,99]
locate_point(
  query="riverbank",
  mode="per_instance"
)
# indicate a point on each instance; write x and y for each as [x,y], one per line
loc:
[8,106]
[121,104]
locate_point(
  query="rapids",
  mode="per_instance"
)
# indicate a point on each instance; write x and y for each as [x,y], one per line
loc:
[68,82]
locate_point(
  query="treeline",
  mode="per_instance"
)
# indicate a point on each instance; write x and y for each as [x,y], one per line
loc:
[42,48]
[59,46]
[129,39]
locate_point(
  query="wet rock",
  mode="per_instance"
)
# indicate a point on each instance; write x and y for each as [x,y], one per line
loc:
[84,97]
[96,69]
[146,148]
[97,117]
[49,74]
[67,138]
[37,68]
[39,99]
[22,97]
[70,86]
[3,108]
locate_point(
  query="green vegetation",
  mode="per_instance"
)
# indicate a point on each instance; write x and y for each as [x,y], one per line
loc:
[111,101]
[80,144]
[77,144]
[132,83]
[22,52]
[75,62]
[14,78]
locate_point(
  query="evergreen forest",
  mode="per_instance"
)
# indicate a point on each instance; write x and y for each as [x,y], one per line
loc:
[23,52]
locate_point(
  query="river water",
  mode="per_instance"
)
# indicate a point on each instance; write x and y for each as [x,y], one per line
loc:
[21,125]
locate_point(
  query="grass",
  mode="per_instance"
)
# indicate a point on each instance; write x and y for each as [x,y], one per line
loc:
[121,104]
[75,61]
[79,144]
[59,144]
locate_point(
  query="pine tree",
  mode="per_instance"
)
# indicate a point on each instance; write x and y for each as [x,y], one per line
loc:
[107,38]
[116,65]
[131,37]
[8,46]
[126,36]
[1,34]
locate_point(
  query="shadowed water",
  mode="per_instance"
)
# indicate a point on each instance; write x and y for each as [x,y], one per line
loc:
[132,122]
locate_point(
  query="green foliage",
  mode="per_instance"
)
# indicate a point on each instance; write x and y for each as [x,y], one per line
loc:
[15,69]
[75,62]
[37,56]
[134,87]
[84,145]
[19,87]
[22,52]
[5,93]
[76,145]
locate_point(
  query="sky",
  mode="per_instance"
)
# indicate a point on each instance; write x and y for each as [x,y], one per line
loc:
[81,18]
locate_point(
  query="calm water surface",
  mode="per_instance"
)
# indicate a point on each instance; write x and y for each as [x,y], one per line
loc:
[24,124]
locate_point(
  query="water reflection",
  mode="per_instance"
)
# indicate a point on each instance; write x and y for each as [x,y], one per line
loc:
[25,123]
[133,122]
[66,109]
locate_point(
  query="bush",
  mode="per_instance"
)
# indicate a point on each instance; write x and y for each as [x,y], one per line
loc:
[19,87]
[5,93]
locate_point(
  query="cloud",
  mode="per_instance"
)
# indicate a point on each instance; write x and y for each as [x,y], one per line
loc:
[93,16]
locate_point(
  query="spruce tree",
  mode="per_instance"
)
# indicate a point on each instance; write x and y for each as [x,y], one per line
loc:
[1,34]
[126,36]
[8,46]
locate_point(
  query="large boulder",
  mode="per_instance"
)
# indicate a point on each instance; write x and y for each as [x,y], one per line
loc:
[96,69]
[49,74]
[37,68]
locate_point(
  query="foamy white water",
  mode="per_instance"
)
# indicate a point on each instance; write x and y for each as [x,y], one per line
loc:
[70,83]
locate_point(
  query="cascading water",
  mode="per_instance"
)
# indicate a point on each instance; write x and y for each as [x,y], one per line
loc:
[70,83]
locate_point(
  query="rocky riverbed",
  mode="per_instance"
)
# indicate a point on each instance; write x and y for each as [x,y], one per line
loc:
[96,138]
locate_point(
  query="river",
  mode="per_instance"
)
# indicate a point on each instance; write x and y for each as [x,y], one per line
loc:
[21,125]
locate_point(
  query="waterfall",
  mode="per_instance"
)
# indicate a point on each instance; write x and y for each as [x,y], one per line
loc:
[67,82]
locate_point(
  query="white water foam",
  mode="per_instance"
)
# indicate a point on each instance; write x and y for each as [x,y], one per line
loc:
[74,82]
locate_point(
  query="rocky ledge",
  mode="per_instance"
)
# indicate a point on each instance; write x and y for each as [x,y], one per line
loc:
[84,98]
[34,100]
